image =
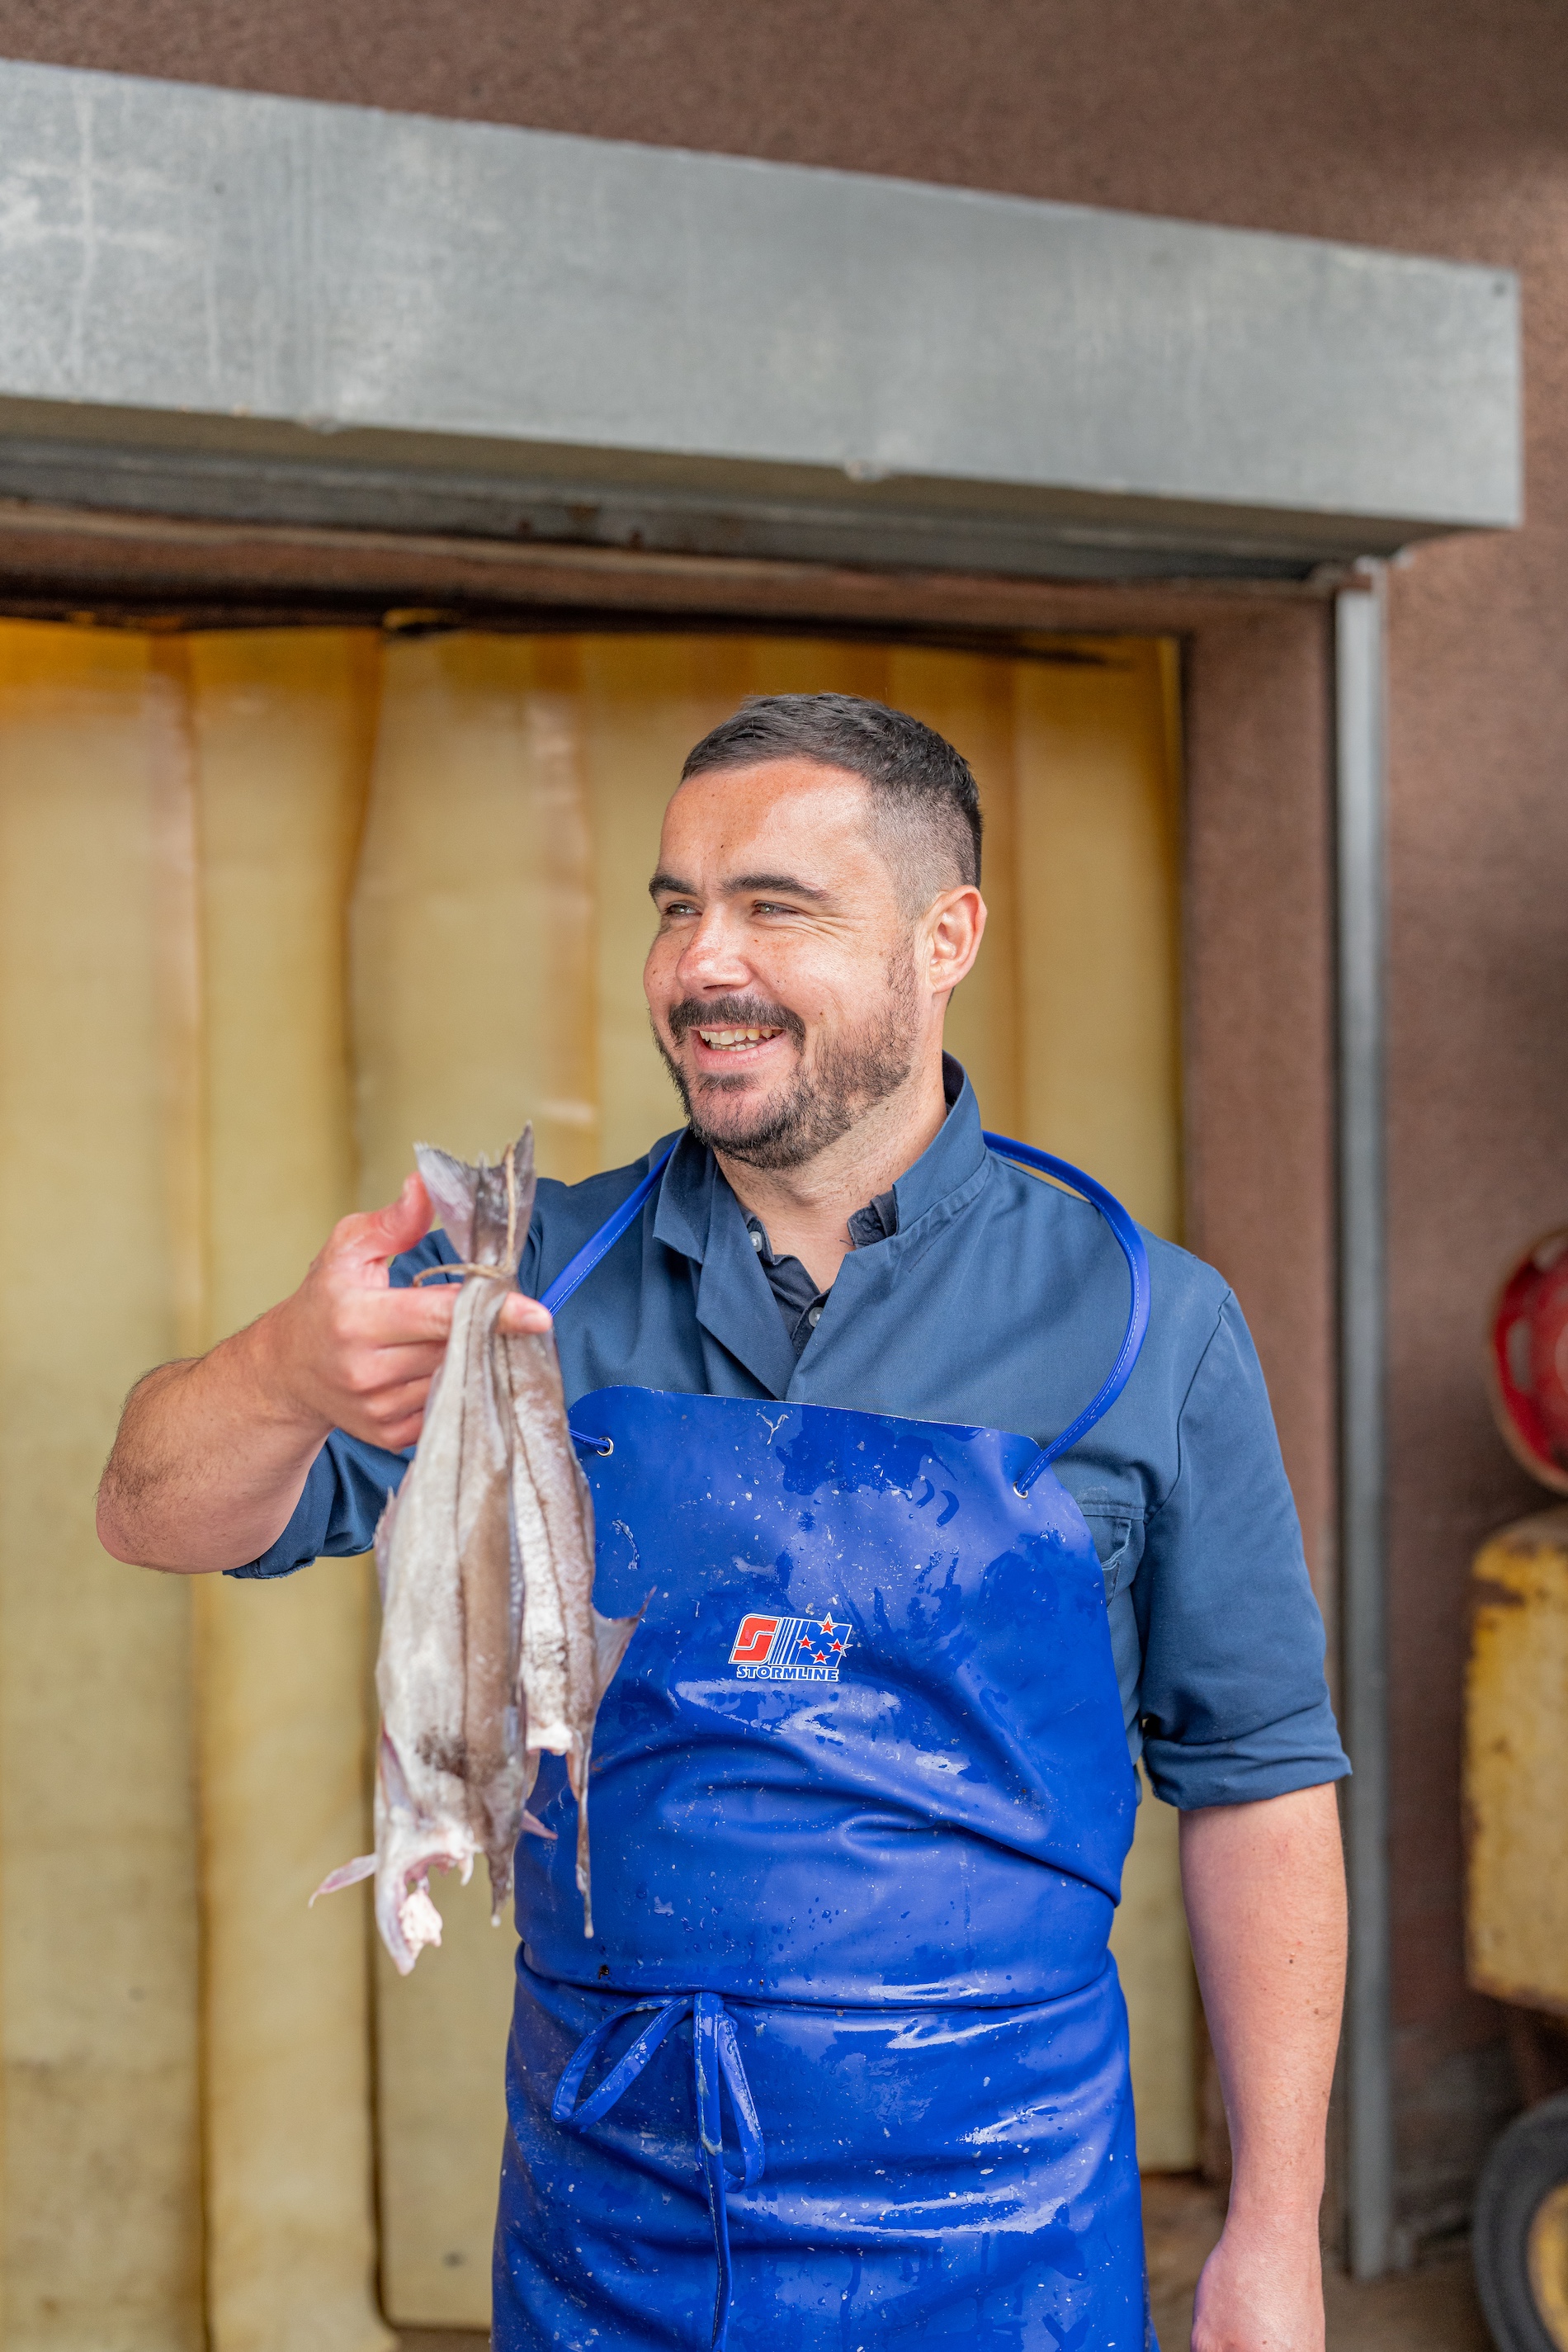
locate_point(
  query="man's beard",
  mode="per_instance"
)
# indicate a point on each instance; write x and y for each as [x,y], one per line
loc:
[850,1075]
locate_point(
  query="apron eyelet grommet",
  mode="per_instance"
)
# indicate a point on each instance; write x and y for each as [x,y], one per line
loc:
[606,1446]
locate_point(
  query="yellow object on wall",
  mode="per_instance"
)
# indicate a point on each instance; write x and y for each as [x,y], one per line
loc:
[1516,1736]
[276,903]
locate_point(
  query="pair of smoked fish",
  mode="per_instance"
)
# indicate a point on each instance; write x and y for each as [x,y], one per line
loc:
[492,1649]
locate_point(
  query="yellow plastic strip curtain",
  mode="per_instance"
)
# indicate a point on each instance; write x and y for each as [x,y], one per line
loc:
[1097,851]
[282,728]
[97,1859]
[178,829]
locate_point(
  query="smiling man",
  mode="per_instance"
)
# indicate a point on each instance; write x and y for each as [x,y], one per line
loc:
[864,1404]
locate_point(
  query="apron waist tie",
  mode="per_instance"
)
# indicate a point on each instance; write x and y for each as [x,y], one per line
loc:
[714,2051]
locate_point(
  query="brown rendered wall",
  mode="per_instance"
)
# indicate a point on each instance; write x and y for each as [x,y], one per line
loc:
[1258,1017]
[1435,126]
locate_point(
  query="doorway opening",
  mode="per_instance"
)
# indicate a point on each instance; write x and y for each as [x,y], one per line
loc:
[277,902]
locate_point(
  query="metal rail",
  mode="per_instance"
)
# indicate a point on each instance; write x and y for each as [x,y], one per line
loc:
[1360,701]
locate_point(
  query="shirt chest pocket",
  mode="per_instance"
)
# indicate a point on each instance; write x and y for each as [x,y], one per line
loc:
[1117,1532]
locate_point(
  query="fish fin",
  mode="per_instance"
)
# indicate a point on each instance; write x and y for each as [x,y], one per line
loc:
[453,1186]
[536,1828]
[611,1637]
[394,1786]
[348,1875]
[383,1527]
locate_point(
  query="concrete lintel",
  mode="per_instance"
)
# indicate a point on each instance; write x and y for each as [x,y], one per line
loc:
[219,303]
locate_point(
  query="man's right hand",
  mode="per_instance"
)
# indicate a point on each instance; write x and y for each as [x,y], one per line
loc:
[347,1351]
[212,1454]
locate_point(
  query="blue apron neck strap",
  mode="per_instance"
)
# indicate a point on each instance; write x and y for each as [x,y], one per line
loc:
[577,1270]
[1137,1257]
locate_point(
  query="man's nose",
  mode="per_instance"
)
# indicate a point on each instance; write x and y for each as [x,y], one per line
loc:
[714,956]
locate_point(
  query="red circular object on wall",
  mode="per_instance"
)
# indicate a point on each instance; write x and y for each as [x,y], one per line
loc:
[1527,1359]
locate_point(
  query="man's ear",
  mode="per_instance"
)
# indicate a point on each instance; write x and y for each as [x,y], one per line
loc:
[952,927]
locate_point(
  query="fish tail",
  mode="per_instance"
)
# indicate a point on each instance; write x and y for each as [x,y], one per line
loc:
[583,1887]
[500,1868]
[611,1637]
[484,1210]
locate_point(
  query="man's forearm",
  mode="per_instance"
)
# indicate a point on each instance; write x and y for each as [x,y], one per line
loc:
[209,1463]
[1265,1894]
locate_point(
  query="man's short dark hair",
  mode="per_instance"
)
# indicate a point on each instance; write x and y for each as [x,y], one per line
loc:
[926,803]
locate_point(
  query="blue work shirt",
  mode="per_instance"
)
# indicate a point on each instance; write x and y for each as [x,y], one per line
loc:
[998,1301]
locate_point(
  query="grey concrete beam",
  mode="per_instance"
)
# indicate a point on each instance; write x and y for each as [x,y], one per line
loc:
[215,303]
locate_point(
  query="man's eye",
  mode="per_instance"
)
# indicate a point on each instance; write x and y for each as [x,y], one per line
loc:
[679,907]
[772,907]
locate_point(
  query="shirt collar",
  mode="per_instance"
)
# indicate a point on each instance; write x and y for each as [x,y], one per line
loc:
[955,1152]
[698,1216]
[684,1209]
[692,1193]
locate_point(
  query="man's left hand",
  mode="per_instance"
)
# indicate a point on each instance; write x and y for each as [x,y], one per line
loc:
[1261,2291]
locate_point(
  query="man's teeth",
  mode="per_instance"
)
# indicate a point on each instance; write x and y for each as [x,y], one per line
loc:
[736,1037]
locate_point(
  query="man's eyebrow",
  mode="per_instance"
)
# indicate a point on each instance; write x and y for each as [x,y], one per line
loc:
[786,886]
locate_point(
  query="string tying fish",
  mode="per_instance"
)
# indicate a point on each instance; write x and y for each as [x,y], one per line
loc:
[464,1266]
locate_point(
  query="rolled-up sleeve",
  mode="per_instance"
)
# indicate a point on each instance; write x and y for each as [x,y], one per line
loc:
[346,1495]
[1233,1704]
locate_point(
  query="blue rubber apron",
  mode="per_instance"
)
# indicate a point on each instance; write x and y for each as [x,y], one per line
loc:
[844,2064]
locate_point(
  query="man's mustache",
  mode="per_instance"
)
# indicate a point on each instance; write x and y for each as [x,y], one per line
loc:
[734,1013]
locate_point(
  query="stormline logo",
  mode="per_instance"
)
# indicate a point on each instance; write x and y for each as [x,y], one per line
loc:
[789,1649]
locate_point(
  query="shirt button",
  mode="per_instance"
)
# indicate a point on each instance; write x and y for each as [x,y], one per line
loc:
[814,1316]
[756,1239]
